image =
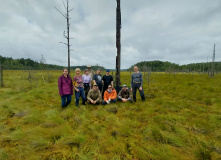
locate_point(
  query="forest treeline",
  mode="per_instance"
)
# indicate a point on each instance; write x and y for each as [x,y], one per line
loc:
[154,66]
[24,64]
[159,66]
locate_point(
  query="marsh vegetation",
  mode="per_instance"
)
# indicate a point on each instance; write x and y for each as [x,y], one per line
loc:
[181,119]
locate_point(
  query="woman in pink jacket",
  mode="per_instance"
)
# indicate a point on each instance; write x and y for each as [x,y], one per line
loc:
[65,86]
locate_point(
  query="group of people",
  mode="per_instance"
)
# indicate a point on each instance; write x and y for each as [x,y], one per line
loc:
[97,89]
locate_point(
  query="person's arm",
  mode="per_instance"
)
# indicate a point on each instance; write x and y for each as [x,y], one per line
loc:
[60,86]
[71,86]
[74,83]
[99,97]
[141,79]
[103,79]
[94,77]
[89,96]
[119,95]
[131,82]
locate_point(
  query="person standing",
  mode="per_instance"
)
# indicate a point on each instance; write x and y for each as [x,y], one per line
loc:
[78,86]
[106,80]
[65,87]
[137,83]
[97,79]
[90,71]
[110,95]
[86,82]
[94,95]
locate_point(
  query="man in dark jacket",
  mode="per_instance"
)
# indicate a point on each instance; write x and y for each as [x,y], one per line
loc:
[97,79]
[107,79]
[124,95]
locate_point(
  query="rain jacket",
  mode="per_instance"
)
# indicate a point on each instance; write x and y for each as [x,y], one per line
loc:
[65,85]
[112,95]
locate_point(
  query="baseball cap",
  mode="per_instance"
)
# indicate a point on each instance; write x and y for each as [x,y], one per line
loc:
[107,70]
[124,85]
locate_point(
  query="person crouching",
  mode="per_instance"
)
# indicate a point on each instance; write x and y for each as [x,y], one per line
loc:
[124,95]
[110,95]
[94,95]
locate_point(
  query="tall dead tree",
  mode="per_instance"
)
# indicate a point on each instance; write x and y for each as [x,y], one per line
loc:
[66,16]
[43,65]
[213,62]
[1,74]
[118,45]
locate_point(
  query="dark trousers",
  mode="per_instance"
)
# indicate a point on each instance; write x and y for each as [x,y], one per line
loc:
[136,87]
[104,89]
[65,100]
[100,87]
[79,94]
[112,101]
[86,90]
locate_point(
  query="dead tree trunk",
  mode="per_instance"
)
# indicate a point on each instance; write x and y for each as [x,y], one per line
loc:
[66,16]
[118,46]
[1,74]
[213,61]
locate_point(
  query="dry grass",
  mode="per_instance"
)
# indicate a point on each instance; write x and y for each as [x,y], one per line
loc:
[181,119]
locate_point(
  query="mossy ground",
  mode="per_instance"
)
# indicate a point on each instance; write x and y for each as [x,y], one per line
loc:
[181,119]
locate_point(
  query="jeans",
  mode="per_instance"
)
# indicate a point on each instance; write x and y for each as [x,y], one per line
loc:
[79,94]
[65,100]
[134,88]
[112,101]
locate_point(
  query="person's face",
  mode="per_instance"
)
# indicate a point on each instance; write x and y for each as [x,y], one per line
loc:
[108,73]
[65,72]
[109,87]
[98,71]
[89,68]
[95,88]
[135,69]
[86,72]
[124,88]
[78,72]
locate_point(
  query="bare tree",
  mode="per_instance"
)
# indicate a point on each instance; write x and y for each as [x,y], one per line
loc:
[1,74]
[43,65]
[66,16]
[213,60]
[118,46]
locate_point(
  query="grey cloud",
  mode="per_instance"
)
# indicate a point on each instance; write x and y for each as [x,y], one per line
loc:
[177,31]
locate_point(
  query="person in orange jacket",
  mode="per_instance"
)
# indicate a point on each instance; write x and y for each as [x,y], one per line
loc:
[110,95]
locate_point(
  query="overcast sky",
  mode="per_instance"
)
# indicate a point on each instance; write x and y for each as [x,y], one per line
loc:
[178,31]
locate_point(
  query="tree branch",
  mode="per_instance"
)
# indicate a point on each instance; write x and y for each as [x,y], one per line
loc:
[71,10]
[64,35]
[61,13]
[64,43]
[64,4]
